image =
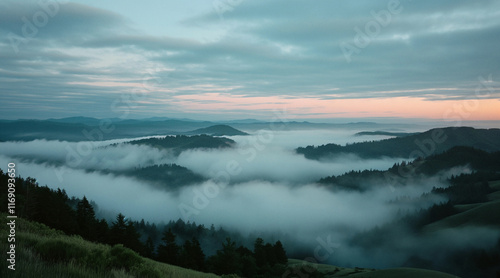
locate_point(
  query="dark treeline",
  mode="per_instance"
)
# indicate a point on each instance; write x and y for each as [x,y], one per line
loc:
[402,173]
[176,243]
[168,177]
[463,189]
[470,188]
[179,143]
[434,141]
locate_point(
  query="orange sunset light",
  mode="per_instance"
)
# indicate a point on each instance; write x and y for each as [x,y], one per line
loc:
[406,107]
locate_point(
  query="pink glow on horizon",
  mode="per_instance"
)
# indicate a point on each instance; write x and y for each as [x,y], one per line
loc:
[405,107]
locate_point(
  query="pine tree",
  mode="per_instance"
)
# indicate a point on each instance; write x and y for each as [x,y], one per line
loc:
[197,256]
[169,251]
[118,230]
[228,260]
[85,218]
[132,239]
[149,248]
[102,231]
[280,253]
[124,232]
[260,253]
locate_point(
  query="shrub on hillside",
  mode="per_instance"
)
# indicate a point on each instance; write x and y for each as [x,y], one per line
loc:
[122,257]
[58,250]
[146,271]
[230,276]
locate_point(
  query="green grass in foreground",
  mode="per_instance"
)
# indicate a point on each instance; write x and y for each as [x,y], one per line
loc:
[330,271]
[45,252]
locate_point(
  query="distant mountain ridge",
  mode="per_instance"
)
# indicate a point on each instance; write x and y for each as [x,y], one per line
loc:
[423,144]
[385,133]
[92,129]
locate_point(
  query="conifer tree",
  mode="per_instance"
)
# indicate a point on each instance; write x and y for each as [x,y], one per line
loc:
[168,252]
[85,218]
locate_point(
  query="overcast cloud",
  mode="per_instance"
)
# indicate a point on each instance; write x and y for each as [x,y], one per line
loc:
[79,57]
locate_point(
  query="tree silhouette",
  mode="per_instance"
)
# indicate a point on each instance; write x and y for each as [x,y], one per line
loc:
[280,253]
[118,230]
[259,253]
[168,252]
[124,232]
[149,248]
[192,255]
[85,218]
[228,260]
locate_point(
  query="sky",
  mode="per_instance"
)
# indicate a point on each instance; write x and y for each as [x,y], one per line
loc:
[236,59]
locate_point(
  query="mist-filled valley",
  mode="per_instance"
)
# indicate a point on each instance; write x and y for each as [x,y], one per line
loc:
[344,208]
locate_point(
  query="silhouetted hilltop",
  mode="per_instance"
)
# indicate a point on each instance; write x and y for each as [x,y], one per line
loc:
[218,130]
[179,143]
[385,133]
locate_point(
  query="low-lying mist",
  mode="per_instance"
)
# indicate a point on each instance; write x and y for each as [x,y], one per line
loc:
[266,156]
[270,189]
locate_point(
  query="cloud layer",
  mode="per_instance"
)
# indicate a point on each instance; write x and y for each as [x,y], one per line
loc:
[270,190]
[72,59]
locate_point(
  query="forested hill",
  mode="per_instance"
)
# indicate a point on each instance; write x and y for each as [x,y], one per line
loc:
[423,144]
[485,163]
[218,130]
[73,216]
[85,246]
[181,143]
[169,177]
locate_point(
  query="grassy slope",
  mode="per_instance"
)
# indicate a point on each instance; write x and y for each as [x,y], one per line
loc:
[403,272]
[31,263]
[487,213]
[334,271]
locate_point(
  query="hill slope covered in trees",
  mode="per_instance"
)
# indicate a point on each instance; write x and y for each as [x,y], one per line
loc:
[218,130]
[180,143]
[427,143]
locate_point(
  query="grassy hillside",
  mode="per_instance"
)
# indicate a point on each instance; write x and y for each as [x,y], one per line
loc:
[402,272]
[45,252]
[329,271]
[482,214]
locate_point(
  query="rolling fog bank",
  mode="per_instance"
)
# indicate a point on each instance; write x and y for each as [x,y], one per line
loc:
[259,186]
